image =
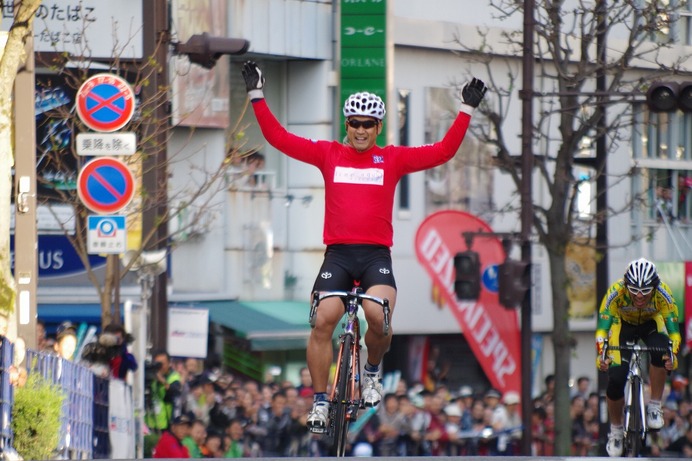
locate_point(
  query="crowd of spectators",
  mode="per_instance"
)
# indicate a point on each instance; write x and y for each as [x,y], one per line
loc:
[219,415]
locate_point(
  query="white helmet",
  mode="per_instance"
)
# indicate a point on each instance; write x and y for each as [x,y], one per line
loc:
[642,274]
[366,104]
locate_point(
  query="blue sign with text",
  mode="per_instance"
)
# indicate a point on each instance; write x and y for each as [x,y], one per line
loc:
[57,257]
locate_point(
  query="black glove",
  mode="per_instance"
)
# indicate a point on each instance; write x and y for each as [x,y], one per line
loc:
[254,80]
[472,92]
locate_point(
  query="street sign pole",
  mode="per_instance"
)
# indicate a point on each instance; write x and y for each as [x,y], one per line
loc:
[25,228]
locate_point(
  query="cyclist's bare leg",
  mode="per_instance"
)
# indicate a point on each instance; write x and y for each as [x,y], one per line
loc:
[319,352]
[615,408]
[657,377]
[375,340]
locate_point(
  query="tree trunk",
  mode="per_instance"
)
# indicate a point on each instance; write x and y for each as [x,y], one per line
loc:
[12,57]
[563,344]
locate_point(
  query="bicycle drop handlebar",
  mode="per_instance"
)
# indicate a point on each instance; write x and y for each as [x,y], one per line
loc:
[347,296]
[634,348]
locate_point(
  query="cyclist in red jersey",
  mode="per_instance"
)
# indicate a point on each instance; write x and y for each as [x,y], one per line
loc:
[360,181]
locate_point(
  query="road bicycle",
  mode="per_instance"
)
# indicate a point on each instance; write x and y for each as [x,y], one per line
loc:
[635,429]
[345,397]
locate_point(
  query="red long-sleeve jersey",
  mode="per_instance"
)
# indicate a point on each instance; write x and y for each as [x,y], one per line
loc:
[359,186]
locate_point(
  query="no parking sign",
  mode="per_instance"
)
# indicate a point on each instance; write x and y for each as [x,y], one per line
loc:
[105,185]
[105,102]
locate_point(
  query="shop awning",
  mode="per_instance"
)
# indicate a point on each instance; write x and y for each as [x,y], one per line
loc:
[270,325]
[53,315]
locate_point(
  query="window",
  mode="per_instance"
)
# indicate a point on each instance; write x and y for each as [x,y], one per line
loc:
[663,150]
[673,20]
[685,23]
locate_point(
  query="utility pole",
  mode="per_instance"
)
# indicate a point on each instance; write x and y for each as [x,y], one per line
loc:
[25,229]
[154,168]
[527,94]
[601,203]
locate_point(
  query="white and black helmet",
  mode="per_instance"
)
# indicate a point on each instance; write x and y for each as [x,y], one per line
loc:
[365,104]
[642,273]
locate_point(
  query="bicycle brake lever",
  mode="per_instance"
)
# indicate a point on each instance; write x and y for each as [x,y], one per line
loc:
[385,325]
[313,308]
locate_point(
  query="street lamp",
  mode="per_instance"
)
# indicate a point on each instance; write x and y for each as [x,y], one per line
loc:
[148,265]
[205,49]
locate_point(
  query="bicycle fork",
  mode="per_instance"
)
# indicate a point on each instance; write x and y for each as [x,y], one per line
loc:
[634,379]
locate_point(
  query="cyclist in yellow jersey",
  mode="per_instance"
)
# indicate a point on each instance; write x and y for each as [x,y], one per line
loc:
[637,307]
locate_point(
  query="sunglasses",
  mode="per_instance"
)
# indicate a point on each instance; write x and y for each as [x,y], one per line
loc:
[367,124]
[640,291]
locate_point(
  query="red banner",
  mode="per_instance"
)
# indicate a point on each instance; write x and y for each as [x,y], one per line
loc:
[491,330]
[687,334]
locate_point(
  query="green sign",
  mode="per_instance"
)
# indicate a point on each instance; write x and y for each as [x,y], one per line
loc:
[363,7]
[354,64]
[361,31]
[363,51]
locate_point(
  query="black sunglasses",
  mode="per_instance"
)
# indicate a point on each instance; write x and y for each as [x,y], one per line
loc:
[367,124]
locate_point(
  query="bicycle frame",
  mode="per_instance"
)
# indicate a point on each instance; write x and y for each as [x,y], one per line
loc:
[635,428]
[345,396]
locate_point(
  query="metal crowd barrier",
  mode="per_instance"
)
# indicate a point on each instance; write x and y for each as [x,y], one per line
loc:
[7,393]
[77,415]
[101,440]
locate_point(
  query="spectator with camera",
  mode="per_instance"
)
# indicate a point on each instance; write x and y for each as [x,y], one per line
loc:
[165,392]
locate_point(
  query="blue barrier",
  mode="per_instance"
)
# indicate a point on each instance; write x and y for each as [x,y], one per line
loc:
[6,393]
[77,414]
[102,443]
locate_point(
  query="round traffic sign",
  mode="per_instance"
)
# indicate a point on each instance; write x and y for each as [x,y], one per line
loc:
[105,185]
[105,102]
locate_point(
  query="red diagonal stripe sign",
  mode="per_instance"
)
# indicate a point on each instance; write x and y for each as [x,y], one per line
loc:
[491,330]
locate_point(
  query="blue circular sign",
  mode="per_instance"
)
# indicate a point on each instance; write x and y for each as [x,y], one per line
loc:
[105,102]
[490,278]
[105,185]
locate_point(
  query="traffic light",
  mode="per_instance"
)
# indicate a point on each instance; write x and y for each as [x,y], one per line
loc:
[514,282]
[669,97]
[467,279]
[205,49]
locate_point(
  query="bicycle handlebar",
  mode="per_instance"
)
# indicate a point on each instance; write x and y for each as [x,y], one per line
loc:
[635,348]
[318,296]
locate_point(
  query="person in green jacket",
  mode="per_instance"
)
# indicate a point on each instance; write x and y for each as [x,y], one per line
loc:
[236,442]
[165,393]
[195,440]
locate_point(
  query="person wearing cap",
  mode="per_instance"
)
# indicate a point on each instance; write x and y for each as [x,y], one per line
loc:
[360,183]
[453,428]
[166,394]
[507,422]
[170,444]
[66,340]
[465,397]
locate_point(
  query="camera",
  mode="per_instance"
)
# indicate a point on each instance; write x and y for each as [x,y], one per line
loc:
[151,369]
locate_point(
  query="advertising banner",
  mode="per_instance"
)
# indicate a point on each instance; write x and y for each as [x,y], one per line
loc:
[121,420]
[686,307]
[188,331]
[491,330]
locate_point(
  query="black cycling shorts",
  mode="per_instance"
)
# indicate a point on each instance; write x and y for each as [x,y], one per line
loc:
[647,332]
[346,265]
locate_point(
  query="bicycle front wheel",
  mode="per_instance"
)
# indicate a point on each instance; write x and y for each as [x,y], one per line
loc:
[635,425]
[343,391]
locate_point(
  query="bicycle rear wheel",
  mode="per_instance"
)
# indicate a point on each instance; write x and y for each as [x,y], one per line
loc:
[634,440]
[343,397]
